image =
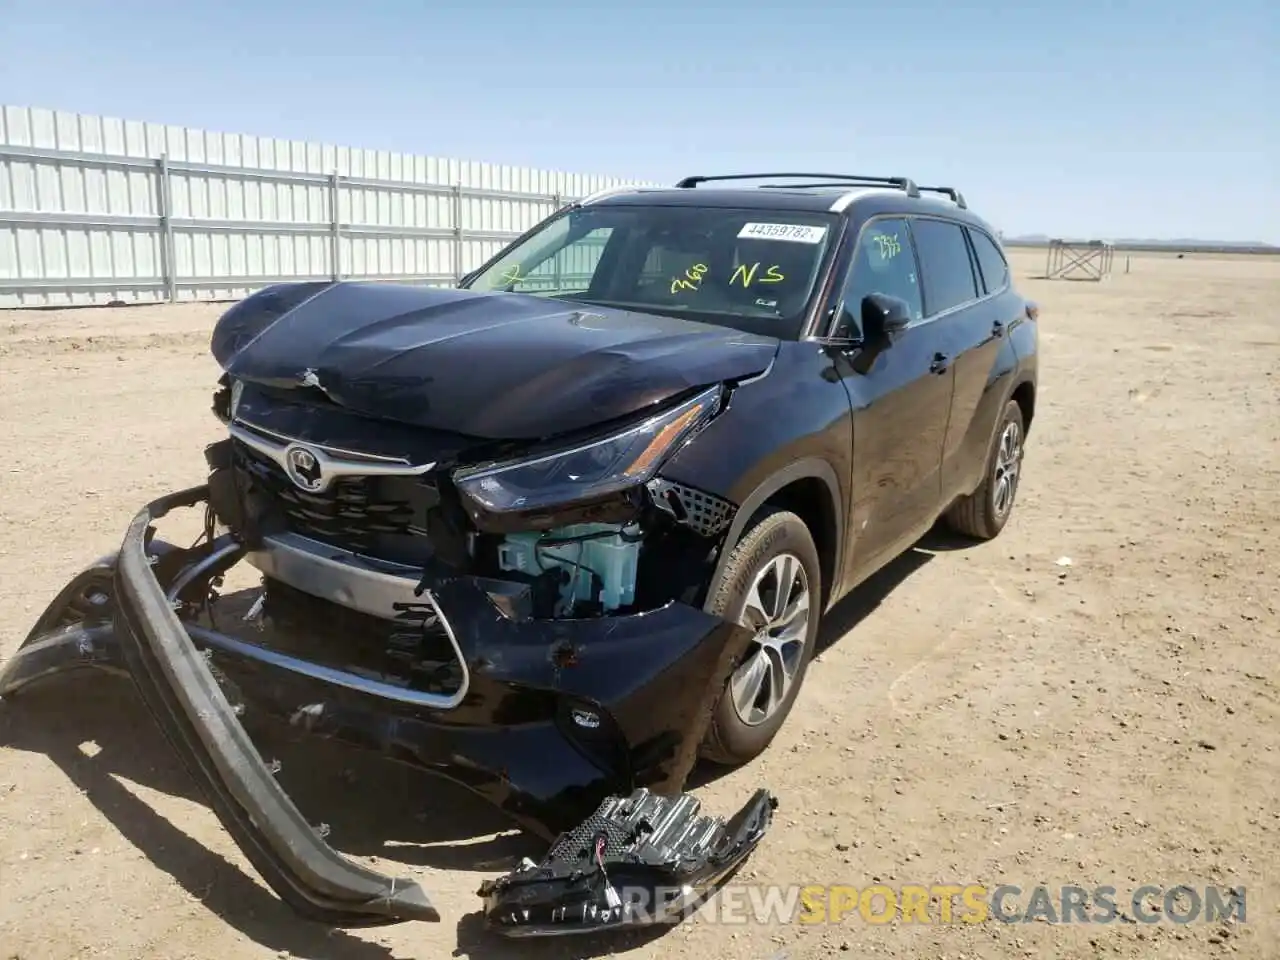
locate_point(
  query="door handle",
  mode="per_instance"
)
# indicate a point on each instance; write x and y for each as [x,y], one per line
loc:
[997,328]
[940,363]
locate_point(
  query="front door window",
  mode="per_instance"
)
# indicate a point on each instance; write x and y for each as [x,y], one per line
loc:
[884,263]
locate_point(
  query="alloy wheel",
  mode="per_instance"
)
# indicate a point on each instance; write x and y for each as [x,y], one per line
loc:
[1008,465]
[777,609]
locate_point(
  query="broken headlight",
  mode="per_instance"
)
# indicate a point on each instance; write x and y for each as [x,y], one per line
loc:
[226,398]
[593,470]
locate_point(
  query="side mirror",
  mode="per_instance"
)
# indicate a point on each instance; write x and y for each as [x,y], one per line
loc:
[883,315]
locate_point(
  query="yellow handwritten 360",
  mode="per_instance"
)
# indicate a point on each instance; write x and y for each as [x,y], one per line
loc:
[691,280]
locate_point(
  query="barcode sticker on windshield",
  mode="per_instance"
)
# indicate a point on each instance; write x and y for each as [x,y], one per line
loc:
[793,232]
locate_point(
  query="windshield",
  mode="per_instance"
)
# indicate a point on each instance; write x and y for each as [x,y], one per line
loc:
[754,270]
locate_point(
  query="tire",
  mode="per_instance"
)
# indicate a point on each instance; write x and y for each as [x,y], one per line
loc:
[757,563]
[984,513]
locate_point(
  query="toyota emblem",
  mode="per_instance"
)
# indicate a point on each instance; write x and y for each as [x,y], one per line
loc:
[303,468]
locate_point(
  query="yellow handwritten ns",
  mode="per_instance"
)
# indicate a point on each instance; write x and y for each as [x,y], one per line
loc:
[746,275]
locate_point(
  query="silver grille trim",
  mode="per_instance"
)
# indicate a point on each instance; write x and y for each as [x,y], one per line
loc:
[332,462]
[370,586]
[341,678]
[340,576]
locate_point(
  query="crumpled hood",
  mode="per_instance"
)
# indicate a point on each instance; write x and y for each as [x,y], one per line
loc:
[489,365]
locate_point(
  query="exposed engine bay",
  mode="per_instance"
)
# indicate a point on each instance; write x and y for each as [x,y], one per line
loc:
[593,566]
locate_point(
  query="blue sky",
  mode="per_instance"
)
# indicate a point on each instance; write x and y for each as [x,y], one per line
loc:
[1106,118]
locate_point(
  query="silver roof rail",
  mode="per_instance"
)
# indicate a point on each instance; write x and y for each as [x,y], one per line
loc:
[842,202]
[609,192]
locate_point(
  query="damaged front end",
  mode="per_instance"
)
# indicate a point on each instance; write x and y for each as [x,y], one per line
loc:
[527,626]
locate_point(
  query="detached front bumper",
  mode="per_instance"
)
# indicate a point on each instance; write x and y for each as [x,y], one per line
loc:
[181,692]
[555,717]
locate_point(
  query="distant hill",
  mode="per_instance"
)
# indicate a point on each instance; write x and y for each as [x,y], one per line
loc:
[1178,245]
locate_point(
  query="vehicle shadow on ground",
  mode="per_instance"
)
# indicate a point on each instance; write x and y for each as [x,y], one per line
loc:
[845,616]
[130,748]
[97,732]
[942,539]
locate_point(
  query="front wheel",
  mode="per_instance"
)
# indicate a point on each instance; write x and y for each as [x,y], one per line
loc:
[983,514]
[771,584]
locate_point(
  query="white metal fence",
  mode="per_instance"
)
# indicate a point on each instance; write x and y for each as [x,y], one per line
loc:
[95,210]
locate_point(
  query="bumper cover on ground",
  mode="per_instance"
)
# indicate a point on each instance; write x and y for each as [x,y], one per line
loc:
[179,689]
[557,718]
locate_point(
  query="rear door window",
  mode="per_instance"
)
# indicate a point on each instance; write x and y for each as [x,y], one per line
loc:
[945,266]
[995,271]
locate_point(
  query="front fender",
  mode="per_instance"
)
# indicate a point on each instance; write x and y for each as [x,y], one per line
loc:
[809,468]
[793,423]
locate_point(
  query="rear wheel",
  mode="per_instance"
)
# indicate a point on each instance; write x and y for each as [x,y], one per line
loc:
[984,512]
[772,584]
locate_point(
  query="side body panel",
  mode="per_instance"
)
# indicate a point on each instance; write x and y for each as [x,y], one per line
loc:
[988,348]
[900,388]
[900,403]
[908,431]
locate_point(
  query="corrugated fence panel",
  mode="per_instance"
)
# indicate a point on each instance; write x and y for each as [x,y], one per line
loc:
[99,210]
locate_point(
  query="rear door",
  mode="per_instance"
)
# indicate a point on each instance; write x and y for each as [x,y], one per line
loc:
[978,335]
[960,325]
[901,396]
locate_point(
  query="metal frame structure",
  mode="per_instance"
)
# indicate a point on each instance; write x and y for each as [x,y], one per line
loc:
[161,172]
[1079,260]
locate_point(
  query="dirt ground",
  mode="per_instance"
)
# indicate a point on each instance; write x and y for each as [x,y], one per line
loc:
[980,715]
